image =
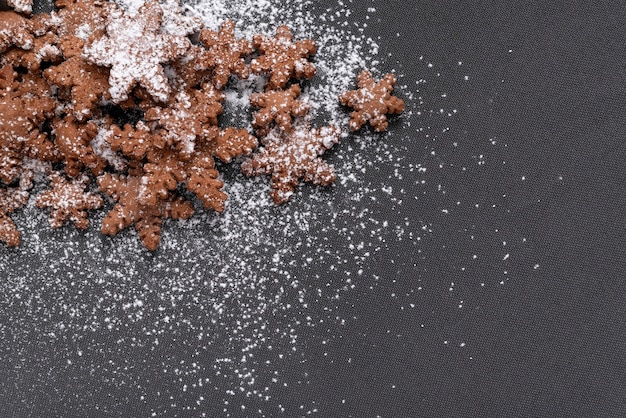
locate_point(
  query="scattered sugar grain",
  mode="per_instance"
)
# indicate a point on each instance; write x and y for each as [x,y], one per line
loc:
[220,311]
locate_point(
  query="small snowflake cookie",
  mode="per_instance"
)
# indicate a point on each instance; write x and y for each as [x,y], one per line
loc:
[372,102]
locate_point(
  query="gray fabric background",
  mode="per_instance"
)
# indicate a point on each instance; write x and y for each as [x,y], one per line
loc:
[549,342]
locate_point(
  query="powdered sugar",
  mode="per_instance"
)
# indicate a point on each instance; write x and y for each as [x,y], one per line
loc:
[223,318]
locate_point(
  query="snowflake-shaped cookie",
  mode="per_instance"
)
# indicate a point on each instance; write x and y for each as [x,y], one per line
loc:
[278,106]
[135,48]
[186,117]
[202,180]
[134,141]
[229,143]
[87,83]
[289,157]
[128,210]
[283,58]
[20,137]
[372,102]
[69,200]
[227,53]
[73,141]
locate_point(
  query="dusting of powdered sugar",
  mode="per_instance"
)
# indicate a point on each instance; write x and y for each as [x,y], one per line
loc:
[222,319]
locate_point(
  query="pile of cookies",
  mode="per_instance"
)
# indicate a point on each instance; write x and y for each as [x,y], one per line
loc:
[102,102]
